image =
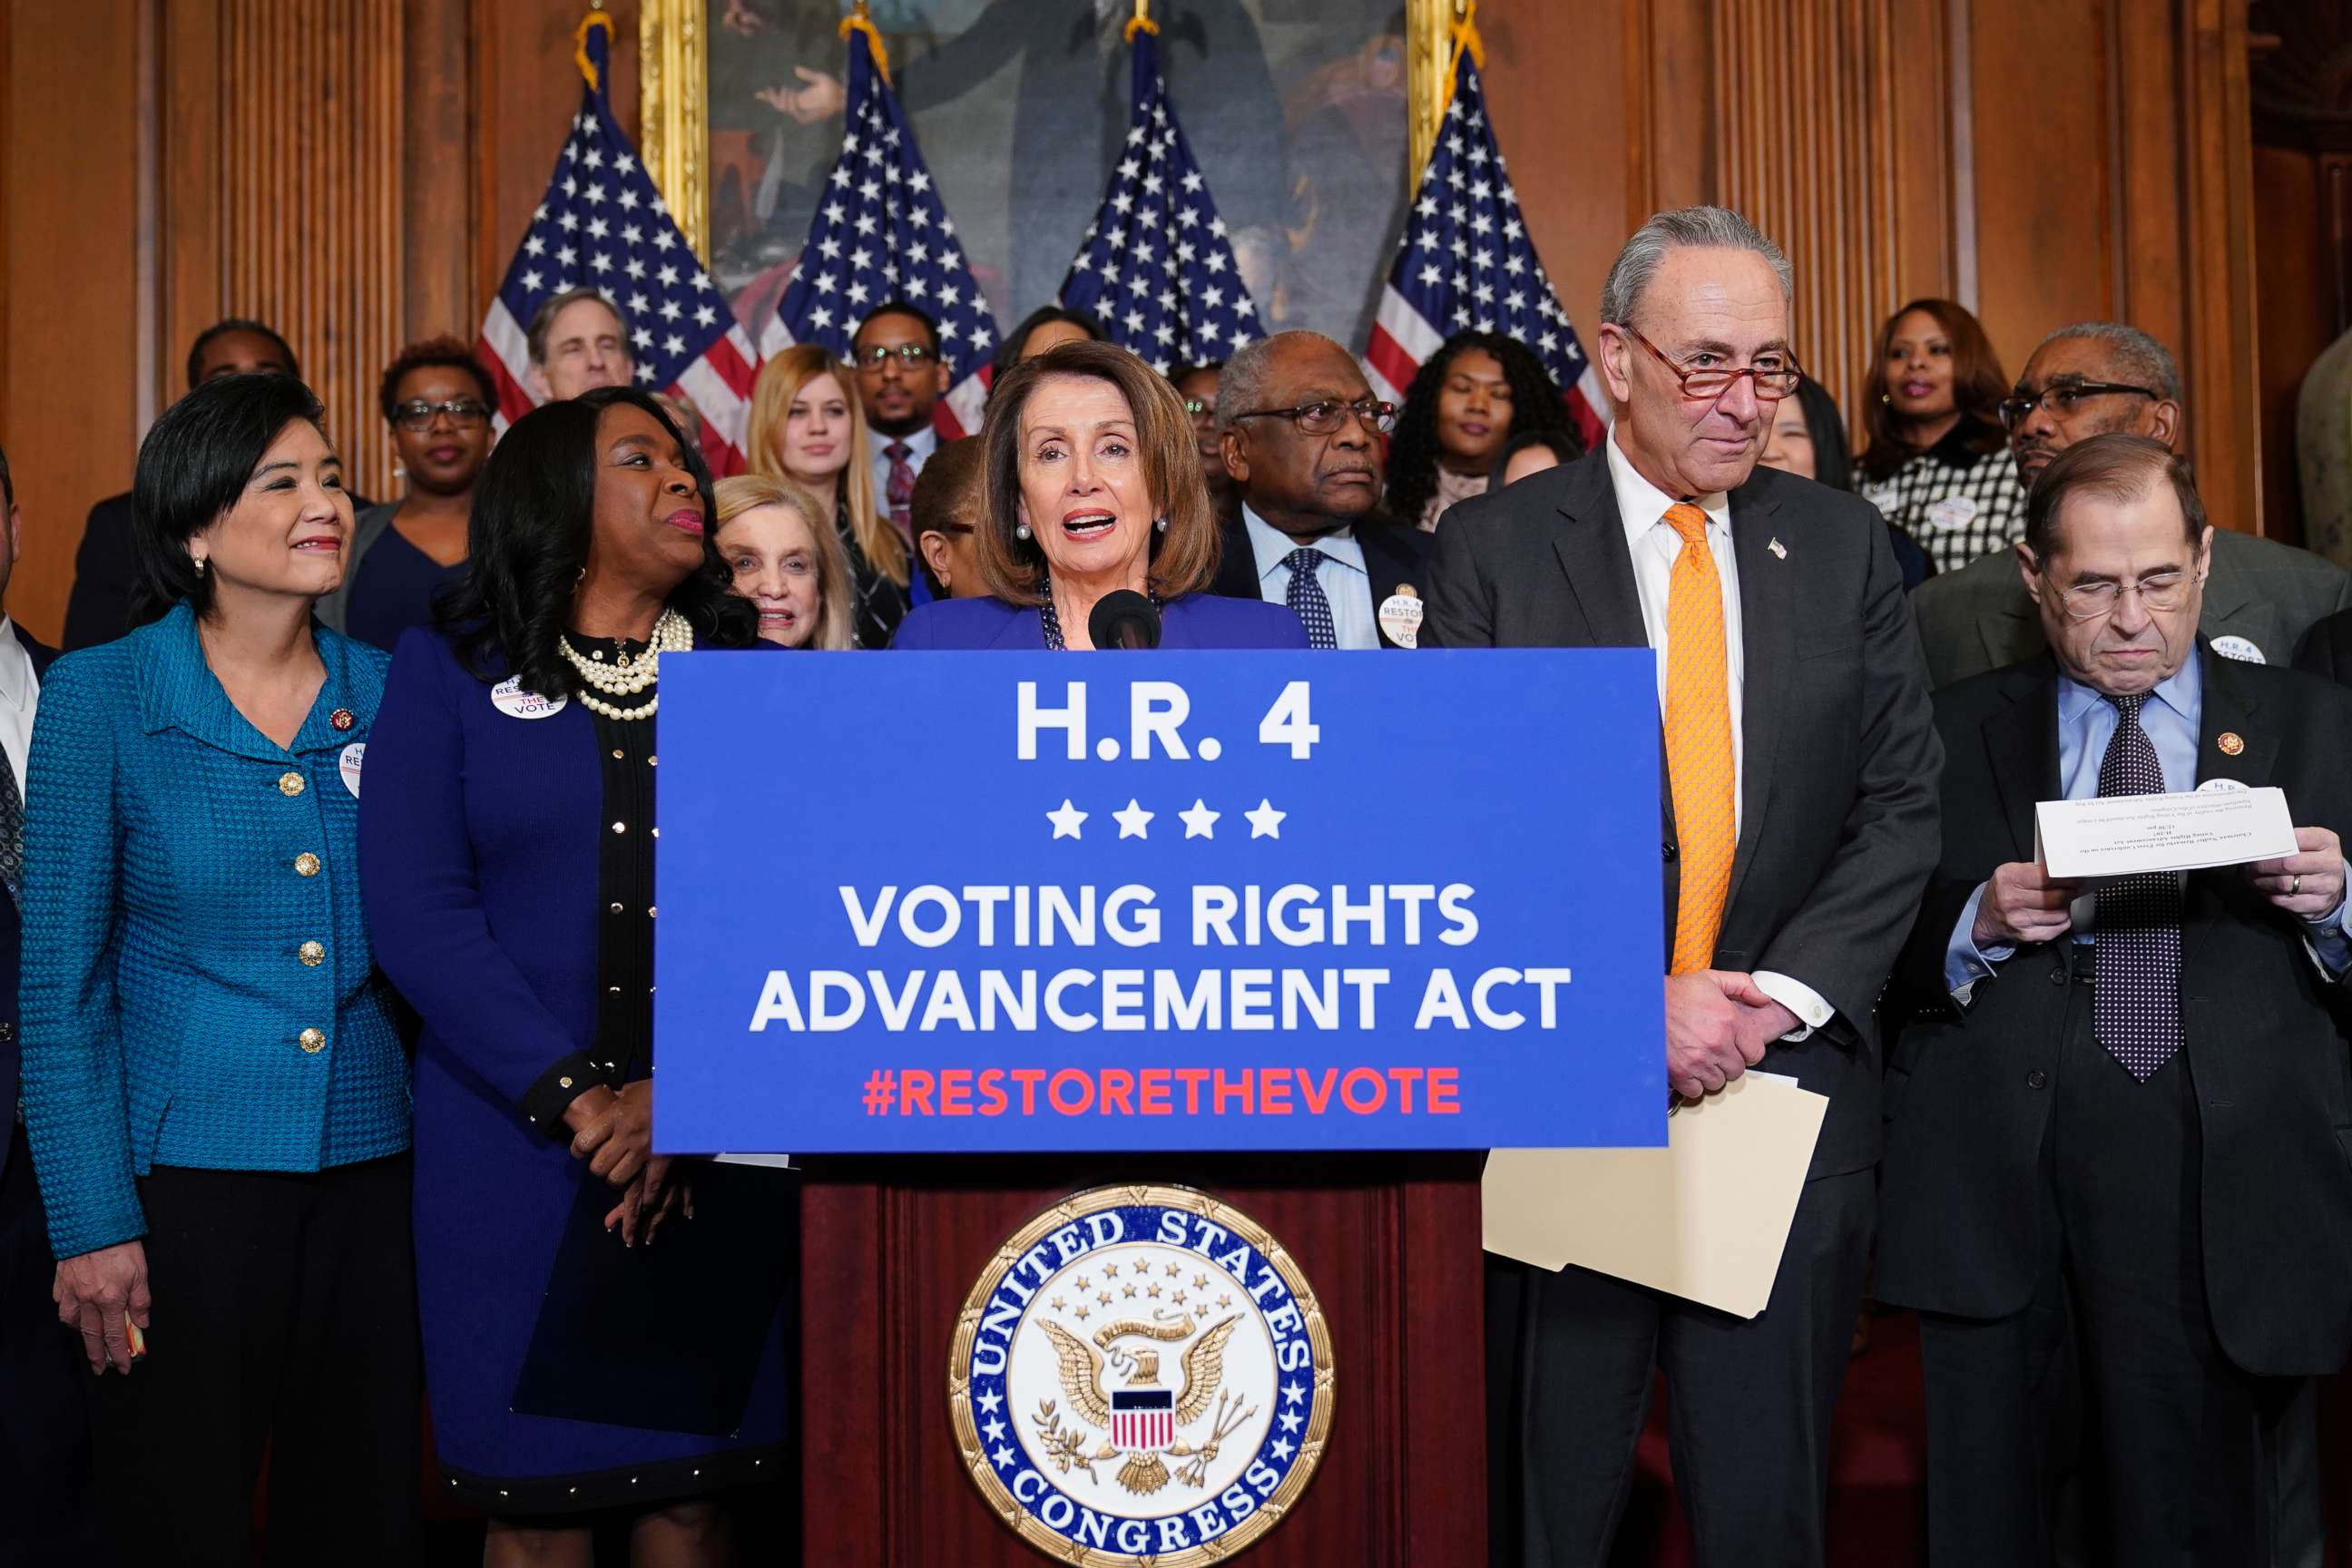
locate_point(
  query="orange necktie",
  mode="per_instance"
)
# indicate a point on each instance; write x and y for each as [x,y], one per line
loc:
[1698,741]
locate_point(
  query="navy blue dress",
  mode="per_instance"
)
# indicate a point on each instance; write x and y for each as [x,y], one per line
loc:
[394,589]
[485,838]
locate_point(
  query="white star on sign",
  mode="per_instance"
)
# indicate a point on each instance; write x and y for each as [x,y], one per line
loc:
[991,1403]
[1065,821]
[1132,821]
[1284,1448]
[1266,822]
[1002,1455]
[1199,822]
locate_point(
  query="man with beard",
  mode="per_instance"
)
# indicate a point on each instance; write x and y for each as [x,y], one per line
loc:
[1299,431]
[2098,378]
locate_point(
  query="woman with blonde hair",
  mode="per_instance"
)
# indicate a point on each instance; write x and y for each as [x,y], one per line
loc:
[772,535]
[808,426]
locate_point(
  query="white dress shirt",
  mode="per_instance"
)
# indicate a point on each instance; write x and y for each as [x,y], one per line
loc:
[20,694]
[920,444]
[1346,581]
[1653,542]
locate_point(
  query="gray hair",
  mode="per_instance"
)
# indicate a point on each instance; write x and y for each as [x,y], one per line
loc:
[1703,227]
[1240,385]
[542,320]
[2141,355]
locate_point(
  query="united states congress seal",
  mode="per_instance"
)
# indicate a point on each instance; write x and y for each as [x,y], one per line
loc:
[1141,1376]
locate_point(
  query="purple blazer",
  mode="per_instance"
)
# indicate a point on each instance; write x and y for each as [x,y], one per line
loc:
[1194,620]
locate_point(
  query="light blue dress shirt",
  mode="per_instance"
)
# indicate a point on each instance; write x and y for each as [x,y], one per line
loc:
[2086,722]
[1346,581]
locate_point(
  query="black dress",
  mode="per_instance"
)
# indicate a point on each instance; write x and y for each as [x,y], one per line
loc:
[878,604]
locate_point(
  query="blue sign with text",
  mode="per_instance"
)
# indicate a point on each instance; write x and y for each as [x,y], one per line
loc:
[941,902]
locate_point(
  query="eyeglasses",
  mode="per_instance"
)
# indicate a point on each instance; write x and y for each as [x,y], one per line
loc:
[1375,414]
[1200,408]
[1775,378]
[2158,591]
[465,413]
[912,355]
[2060,397]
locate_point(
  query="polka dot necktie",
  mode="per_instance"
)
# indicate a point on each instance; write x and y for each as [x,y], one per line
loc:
[1698,741]
[1305,596]
[2136,943]
[12,830]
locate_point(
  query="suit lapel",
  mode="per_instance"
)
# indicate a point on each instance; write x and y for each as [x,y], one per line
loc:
[2232,707]
[1590,545]
[1025,630]
[2022,741]
[1766,627]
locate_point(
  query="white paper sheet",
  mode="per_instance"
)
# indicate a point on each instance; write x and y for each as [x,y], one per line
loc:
[2122,835]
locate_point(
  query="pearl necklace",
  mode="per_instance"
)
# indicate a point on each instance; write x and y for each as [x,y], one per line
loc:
[631,675]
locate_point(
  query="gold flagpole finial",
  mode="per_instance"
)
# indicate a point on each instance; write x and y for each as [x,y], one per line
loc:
[861,21]
[1141,22]
[589,24]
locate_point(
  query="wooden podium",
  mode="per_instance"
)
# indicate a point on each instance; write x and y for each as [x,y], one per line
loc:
[1390,1243]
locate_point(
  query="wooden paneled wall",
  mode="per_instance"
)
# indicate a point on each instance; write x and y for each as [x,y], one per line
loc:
[357,172]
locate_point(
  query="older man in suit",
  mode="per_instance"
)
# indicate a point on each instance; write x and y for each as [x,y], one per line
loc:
[2090,379]
[2117,1117]
[1798,823]
[1299,431]
[44,1433]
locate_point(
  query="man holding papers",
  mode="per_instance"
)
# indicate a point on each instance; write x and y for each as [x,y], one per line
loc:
[2118,1111]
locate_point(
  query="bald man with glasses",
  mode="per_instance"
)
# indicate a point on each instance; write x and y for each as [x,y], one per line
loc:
[2106,378]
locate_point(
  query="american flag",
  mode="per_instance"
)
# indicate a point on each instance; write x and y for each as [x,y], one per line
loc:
[1155,266]
[1466,262]
[603,225]
[882,234]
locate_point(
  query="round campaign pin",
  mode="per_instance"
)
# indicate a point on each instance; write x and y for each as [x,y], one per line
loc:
[348,765]
[2242,649]
[513,700]
[2218,786]
[1400,615]
[2231,744]
[341,719]
[1142,1378]
[1952,512]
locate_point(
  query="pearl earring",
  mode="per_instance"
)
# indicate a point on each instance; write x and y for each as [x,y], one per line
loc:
[1161,525]
[1886,397]
[200,564]
[1019,531]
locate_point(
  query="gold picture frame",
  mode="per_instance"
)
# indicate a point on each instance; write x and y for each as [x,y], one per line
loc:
[674,77]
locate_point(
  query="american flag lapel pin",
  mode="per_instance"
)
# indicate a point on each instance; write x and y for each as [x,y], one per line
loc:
[1779,549]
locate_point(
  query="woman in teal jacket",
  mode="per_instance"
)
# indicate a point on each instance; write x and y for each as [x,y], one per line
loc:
[215,1093]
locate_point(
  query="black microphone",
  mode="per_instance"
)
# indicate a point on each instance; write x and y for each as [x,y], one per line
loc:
[1123,618]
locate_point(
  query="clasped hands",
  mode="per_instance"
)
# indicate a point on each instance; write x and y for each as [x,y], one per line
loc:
[1718,1024]
[614,1133]
[2024,904]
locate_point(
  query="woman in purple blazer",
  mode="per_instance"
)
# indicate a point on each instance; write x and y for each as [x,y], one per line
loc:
[1093,488]
[507,843]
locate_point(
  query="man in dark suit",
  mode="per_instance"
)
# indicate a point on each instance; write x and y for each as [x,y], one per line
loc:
[2089,379]
[98,609]
[1300,430]
[44,1431]
[1798,826]
[2118,1114]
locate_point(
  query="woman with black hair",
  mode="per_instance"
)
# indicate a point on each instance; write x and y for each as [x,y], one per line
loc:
[509,846]
[1047,326]
[1469,398]
[215,1088]
[1935,461]
[1807,437]
[438,401]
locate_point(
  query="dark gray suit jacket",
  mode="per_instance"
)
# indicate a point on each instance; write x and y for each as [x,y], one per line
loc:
[1968,1091]
[1838,824]
[1979,618]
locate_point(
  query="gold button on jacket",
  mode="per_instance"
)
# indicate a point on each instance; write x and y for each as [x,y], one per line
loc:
[311,953]
[305,864]
[289,783]
[313,1040]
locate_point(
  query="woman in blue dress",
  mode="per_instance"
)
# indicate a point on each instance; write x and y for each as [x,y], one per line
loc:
[586,1350]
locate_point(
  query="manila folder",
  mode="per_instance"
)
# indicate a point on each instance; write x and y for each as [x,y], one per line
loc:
[1705,1217]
